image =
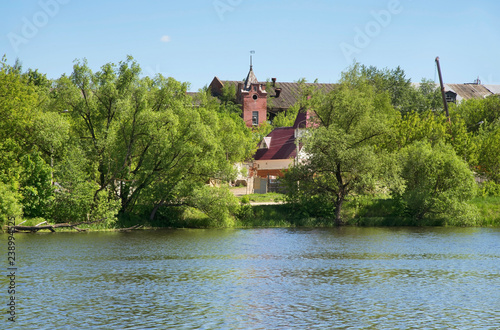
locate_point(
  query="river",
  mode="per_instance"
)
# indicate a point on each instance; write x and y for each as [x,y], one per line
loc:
[340,278]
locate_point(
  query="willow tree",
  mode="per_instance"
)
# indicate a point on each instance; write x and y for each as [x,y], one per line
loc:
[342,154]
[146,141]
[23,179]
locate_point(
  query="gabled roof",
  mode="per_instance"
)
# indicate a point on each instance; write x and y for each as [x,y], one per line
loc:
[281,145]
[291,93]
[495,89]
[468,91]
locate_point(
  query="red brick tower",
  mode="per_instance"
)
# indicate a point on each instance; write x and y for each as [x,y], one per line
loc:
[253,98]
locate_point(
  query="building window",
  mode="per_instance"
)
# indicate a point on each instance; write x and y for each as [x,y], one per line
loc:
[255,118]
[255,96]
[254,88]
[451,97]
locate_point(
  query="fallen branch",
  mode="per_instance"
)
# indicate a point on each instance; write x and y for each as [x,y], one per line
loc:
[34,229]
[130,228]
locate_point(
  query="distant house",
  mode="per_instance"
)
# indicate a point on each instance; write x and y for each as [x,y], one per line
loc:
[261,101]
[277,152]
[455,93]
[280,149]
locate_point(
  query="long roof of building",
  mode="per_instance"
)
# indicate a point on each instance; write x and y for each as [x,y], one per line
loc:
[292,91]
[279,144]
[289,95]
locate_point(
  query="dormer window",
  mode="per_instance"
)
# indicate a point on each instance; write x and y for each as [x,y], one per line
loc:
[451,97]
[265,143]
[254,88]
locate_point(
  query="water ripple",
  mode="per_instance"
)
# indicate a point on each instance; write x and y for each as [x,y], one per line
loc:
[260,279]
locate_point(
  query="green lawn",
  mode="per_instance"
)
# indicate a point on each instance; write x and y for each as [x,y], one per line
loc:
[261,198]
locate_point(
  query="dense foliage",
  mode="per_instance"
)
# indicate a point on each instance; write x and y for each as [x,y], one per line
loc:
[117,145]
[97,144]
[378,135]
[342,149]
[437,183]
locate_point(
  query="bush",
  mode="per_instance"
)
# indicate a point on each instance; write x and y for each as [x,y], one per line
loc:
[35,186]
[489,188]
[438,184]
[77,204]
[9,203]
[218,204]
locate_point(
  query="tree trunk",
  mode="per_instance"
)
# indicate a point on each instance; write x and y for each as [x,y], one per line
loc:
[340,195]
[338,209]
[155,209]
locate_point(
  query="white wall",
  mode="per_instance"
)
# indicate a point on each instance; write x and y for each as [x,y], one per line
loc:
[273,164]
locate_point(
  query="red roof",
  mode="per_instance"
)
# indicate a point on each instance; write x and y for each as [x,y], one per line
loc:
[282,145]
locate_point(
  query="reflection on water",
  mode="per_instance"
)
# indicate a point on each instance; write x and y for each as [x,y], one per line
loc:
[259,279]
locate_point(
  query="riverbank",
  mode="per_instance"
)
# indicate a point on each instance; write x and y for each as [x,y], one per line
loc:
[365,212]
[268,210]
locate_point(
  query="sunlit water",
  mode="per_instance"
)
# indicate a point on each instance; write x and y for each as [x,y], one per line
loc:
[347,278]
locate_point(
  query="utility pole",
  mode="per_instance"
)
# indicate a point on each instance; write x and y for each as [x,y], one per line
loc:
[442,88]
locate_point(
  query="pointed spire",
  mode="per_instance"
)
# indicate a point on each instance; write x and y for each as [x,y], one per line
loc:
[251,78]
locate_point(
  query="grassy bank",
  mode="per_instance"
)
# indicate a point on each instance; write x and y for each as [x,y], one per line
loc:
[489,210]
[364,211]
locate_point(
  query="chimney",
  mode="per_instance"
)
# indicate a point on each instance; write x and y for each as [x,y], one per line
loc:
[274,81]
[278,92]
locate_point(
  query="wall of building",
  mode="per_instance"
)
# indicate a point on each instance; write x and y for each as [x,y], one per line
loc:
[267,168]
[273,164]
[254,100]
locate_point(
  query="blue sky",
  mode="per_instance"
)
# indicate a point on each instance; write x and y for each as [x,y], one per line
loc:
[196,40]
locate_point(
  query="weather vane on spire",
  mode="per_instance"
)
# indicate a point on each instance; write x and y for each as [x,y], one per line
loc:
[251,53]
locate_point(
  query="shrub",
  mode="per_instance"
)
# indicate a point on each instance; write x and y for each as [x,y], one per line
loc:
[219,204]
[437,184]
[9,203]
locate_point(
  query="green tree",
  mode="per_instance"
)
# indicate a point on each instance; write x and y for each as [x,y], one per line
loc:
[424,98]
[433,128]
[437,184]
[342,150]
[287,118]
[393,82]
[50,133]
[415,126]
[228,94]
[145,141]
[9,203]
[405,97]
[23,172]
[478,112]
[489,152]
[18,104]
[36,185]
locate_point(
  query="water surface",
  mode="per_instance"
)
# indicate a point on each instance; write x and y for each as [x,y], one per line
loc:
[356,278]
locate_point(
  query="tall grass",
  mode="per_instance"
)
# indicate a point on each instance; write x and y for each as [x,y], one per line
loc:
[489,210]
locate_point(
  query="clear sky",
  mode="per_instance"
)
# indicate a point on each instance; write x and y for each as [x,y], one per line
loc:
[195,40]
